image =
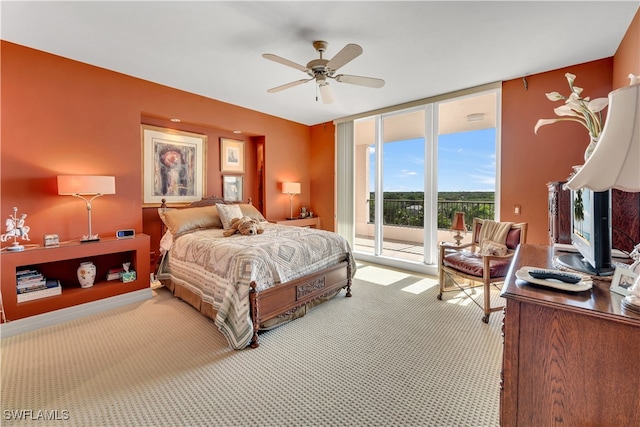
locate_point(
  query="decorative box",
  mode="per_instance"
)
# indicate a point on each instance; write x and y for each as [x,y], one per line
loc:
[51,240]
[128,276]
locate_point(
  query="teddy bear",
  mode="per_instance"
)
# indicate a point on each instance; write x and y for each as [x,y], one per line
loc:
[245,226]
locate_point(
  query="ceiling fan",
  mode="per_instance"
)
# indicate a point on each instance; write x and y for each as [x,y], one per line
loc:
[322,69]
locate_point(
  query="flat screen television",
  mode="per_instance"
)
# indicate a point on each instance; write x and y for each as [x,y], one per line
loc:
[590,233]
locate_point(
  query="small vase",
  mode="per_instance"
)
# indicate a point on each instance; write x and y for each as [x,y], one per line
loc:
[86,274]
[590,147]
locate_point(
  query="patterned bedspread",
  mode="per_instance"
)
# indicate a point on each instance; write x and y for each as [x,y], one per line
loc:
[220,269]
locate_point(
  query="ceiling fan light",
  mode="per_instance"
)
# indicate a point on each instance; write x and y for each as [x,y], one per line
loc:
[326,93]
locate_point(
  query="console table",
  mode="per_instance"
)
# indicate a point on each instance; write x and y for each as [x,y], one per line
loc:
[61,262]
[569,359]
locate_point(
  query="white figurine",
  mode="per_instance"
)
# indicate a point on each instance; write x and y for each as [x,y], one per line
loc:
[15,228]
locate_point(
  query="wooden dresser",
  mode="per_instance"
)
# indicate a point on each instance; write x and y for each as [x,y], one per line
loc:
[570,359]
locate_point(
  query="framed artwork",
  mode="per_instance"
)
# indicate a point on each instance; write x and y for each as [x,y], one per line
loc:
[173,166]
[231,156]
[232,188]
[623,279]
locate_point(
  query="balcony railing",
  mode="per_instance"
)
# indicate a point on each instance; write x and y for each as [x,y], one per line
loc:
[409,213]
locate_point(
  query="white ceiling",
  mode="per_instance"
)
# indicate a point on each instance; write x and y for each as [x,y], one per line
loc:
[420,48]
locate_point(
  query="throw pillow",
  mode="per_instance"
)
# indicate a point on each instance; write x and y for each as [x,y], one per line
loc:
[182,221]
[489,247]
[251,211]
[228,213]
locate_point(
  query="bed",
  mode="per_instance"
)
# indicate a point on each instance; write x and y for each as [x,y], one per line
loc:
[247,284]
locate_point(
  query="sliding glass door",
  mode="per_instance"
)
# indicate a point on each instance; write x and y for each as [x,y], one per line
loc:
[403,159]
[391,154]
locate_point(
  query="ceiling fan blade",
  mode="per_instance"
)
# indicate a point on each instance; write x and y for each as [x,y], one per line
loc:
[281,60]
[347,54]
[288,85]
[360,80]
[326,93]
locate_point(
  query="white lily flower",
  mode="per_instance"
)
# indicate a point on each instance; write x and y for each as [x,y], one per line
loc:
[598,104]
[566,110]
[543,122]
[576,109]
[554,96]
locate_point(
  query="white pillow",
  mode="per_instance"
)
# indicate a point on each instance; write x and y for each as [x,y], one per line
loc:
[491,248]
[228,213]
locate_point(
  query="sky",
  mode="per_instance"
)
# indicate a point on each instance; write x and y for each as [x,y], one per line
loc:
[466,162]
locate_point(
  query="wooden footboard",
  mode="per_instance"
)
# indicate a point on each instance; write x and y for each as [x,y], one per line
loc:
[287,297]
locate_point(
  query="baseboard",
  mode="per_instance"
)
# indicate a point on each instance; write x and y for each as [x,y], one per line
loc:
[20,326]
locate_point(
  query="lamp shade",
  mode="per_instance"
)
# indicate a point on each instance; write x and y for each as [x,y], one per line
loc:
[69,185]
[291,187]
[458,222]
[615,162]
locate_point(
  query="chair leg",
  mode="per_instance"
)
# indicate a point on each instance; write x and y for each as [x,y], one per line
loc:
[441,282]
[487,301]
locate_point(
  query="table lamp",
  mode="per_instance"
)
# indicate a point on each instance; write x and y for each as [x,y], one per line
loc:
[291,188]
[458,226]
[84,185]
[615,162]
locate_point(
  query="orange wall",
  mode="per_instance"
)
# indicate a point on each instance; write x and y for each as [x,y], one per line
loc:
[323,173]
[64,117]
[627,57]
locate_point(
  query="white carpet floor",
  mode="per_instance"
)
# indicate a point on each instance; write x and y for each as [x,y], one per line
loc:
[392,355]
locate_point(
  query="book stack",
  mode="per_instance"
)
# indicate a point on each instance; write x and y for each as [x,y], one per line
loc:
[31,284]
[115,273]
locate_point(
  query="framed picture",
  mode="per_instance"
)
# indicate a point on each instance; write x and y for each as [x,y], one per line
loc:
[232,188]
[623,279]
[635,267]
[231,156]
[173,166]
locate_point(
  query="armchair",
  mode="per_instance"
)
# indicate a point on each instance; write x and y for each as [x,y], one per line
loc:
[483,262]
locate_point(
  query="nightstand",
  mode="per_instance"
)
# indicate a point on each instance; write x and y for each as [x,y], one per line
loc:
[313,222]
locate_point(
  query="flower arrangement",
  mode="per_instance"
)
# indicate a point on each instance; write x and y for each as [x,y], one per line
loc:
[577,109]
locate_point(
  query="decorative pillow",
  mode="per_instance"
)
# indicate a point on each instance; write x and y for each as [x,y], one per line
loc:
[182,221]
[489,247]
[251,211]
[228,213]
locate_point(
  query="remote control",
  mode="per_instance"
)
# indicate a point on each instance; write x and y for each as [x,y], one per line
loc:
[558,275]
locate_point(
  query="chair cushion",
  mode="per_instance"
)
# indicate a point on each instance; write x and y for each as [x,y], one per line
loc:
[472,264]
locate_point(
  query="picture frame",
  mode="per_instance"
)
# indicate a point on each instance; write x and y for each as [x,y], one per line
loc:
[635,267]
[231,156]
[623,279]
[173,166]
[232,188]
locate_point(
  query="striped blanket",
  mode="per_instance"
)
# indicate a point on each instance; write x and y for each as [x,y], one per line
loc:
[220,269]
